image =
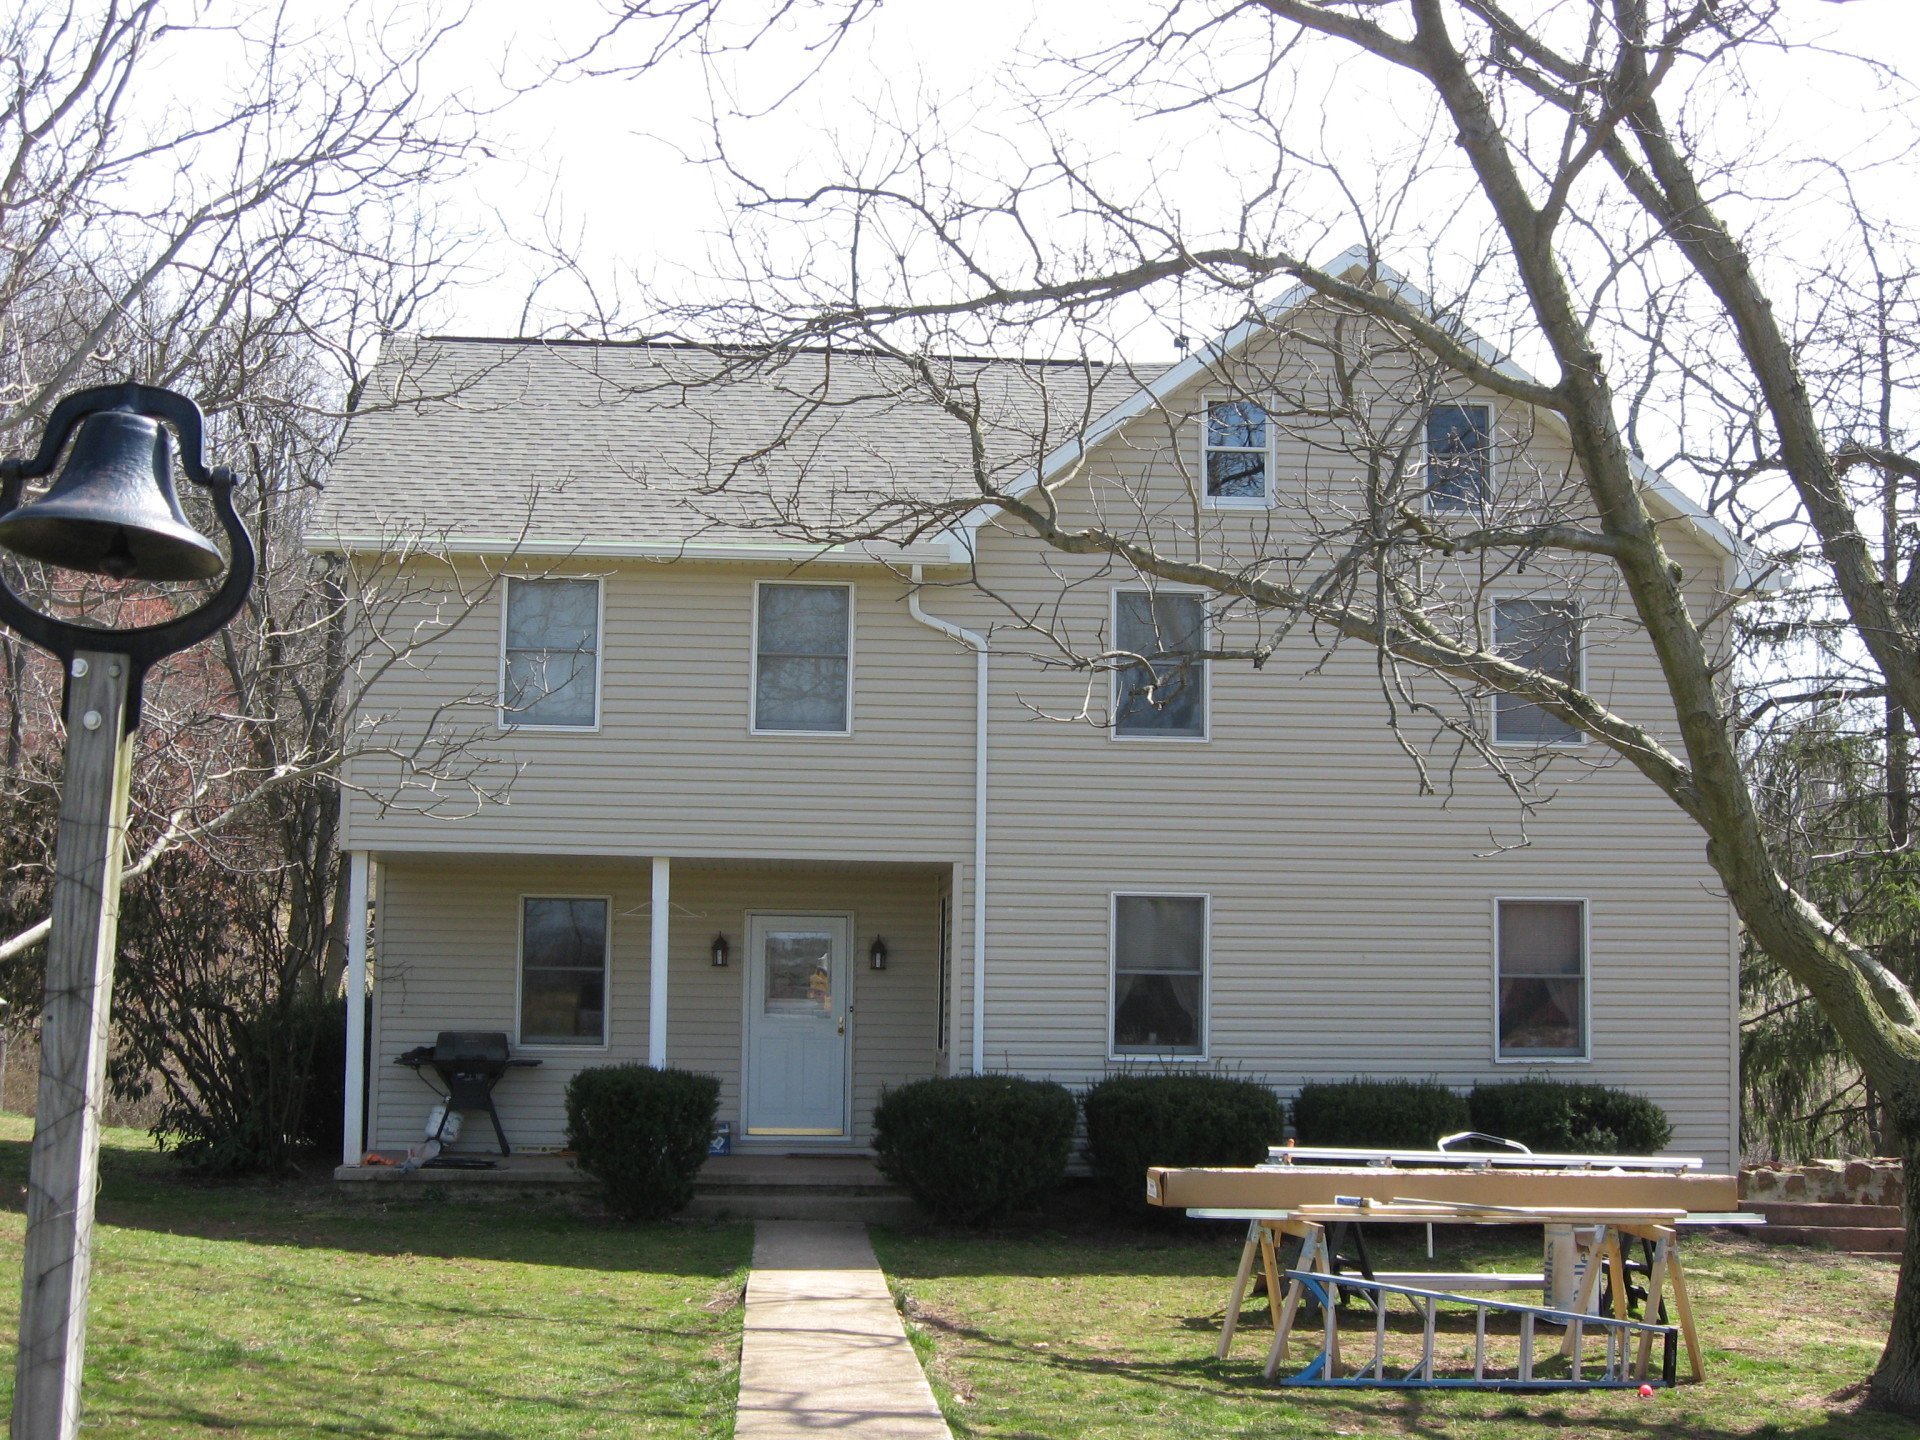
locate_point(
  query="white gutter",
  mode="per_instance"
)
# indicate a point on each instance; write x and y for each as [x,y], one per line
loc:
[979,646]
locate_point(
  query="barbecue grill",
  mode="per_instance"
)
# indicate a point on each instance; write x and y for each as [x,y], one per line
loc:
[469,1063]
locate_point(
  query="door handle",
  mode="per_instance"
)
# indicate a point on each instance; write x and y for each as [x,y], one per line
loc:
[842,1029]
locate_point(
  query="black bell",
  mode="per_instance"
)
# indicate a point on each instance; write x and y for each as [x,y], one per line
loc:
[113,511]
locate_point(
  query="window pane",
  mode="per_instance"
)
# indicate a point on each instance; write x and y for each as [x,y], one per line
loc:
[1540,937]
[800,673]
[564,972]
[1159,932]
[1459,447]
[552,614]
[1237,474]
[800,692]
[1543,634]
[1156,1013]
[549,688]
[799,974]
[552,666]
[1540,1017]
[1237,423]
[1164,697]
[803,620]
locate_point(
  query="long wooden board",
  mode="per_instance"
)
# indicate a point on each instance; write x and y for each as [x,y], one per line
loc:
[1294,1185]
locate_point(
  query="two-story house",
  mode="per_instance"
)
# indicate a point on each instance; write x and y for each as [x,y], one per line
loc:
[820,818]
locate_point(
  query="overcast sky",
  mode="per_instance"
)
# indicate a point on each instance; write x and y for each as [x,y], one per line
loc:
[606,167]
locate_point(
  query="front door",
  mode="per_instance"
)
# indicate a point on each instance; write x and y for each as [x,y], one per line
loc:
[797,1022]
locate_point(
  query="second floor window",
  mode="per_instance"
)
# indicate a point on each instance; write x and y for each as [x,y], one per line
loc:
[552,663]
[1236,453]
[1163,695]
[802,645]
[1459,457]
[1543,634]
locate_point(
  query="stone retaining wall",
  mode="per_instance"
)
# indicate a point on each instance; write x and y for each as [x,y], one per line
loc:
[1825,1182]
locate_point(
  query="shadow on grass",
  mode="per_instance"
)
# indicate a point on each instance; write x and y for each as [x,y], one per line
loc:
[141,1189]
[1408,1412]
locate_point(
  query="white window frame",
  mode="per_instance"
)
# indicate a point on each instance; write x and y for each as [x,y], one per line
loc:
[1493,451]
[1585,1057]
[753,661]
[1205,898]
[1206,666]
[1234,502]
[1494,601]
[503,720]
[549,1047]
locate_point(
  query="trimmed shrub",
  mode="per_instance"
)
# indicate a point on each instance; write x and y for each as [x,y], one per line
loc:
[973,1149]
[1411,1114]
[1134,1121]
[1571,1118]
[642,1133]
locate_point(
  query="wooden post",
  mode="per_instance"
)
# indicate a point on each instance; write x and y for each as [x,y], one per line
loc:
[65,1166]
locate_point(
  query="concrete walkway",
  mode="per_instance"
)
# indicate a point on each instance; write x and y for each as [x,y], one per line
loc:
[824,1352]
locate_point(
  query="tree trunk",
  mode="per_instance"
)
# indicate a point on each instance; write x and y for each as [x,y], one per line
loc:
[1896,1380]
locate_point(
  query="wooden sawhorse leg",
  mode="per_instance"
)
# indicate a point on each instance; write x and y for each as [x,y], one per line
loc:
[1666,1268]
[1313,1255]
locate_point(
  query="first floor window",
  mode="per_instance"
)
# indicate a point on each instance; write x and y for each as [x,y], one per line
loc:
[1543,979]
[1543,635]
[803,642]
[1159,974]
[1236,453]
[1459,457]
[1164,693]
[552,654]
[563,971]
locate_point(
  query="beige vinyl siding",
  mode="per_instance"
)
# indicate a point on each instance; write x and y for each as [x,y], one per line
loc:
[448,935]
[672,766]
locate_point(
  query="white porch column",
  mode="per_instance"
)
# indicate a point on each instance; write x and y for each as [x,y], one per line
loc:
[353,1121]
[657,977]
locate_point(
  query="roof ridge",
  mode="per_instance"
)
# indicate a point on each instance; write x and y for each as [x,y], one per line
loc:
[532,341]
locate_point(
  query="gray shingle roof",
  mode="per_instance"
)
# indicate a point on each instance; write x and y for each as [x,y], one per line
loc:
[525,444]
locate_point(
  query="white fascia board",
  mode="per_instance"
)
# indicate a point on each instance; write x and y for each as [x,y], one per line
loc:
[944,554]
[1668,495]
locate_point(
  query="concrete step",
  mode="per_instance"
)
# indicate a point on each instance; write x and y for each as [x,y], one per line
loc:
[775,1205]
[1785,1212]
[1857,1239]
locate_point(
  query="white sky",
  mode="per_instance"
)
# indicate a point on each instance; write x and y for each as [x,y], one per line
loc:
[603,164]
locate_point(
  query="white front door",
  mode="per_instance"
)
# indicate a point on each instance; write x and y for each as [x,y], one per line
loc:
[797,1023]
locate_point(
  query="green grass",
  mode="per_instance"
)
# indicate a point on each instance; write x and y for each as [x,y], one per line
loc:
[276,1310]
[1057,1338]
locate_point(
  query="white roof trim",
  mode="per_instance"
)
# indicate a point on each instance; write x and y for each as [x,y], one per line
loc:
[1670,497]
[742,552]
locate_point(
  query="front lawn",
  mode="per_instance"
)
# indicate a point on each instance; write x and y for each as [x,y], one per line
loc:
[1055,1338]
[281,1310]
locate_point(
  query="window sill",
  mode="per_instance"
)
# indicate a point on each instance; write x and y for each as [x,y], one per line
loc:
[1543,1059]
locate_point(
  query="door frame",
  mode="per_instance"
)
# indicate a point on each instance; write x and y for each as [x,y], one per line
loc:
[748,995]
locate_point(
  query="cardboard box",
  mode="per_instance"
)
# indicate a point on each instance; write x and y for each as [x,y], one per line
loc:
[1286,1187]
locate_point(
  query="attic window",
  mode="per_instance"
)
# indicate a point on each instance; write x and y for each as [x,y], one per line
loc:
[1236,453]
[1459,457]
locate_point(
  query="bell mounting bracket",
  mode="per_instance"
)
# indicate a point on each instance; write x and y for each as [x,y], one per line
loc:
[143,645]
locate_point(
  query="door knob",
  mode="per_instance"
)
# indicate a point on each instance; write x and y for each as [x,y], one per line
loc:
[842,1028]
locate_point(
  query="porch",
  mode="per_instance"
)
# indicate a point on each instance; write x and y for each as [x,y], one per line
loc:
[730,1187]
[805,987]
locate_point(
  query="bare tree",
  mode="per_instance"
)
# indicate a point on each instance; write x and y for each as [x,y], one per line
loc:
[1573,157]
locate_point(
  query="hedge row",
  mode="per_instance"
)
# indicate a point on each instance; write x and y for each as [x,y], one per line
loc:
[975,1149]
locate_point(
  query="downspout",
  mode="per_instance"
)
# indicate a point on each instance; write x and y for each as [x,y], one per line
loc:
[979,646]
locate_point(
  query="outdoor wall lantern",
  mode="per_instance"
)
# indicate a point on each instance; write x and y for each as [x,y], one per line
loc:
[877,956]
[720,950]
[112,511]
